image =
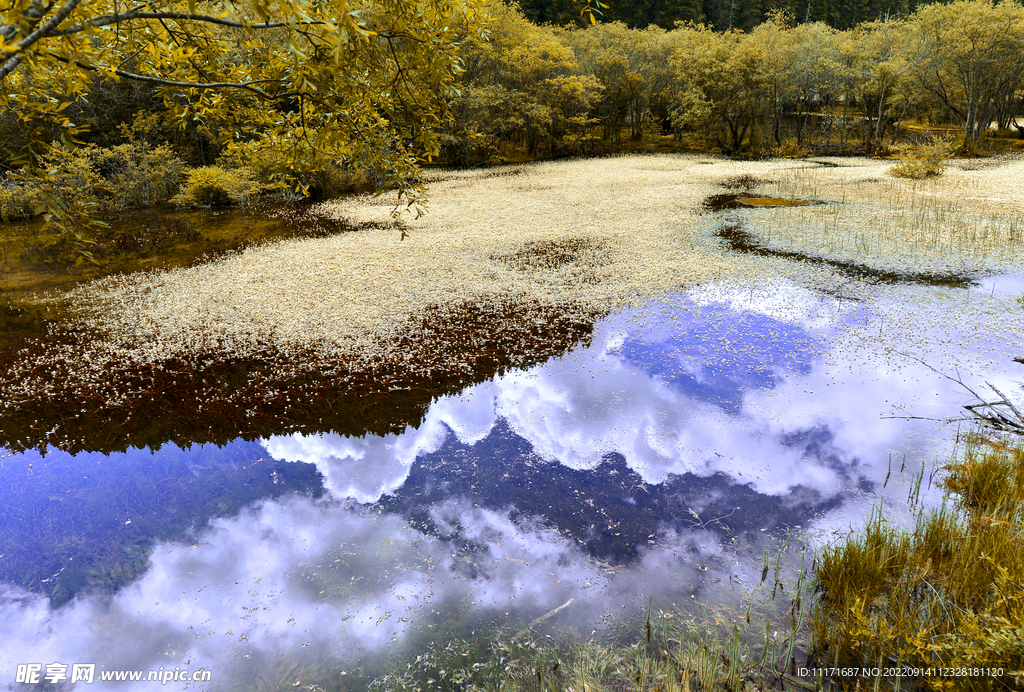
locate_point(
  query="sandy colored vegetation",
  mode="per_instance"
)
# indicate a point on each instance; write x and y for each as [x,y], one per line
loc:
[969,219]
[539,250]
[588,234]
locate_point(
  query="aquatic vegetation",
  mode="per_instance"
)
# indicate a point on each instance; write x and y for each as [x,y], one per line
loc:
[639,215]
[947,593]
[693,647]
[263,329]
[741,241]
[968,220]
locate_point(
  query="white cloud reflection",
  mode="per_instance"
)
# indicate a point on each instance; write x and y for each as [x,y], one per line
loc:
[365,468]
[292,586]
[717,382]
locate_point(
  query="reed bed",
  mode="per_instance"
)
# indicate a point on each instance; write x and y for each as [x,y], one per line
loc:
[963,221]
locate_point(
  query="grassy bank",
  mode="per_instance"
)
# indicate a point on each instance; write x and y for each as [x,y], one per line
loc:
[946,594]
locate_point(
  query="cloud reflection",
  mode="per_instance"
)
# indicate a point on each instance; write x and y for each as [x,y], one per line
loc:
[709,384]
[365,468]
[293,585]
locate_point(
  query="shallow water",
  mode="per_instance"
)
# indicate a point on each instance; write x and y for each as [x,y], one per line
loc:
[658,462]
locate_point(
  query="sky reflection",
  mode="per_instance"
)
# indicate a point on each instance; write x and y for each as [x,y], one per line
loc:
[763,394]
[660,461]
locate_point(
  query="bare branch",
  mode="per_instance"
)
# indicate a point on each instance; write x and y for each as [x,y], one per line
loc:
[987,411]
[202,86]
[108,19]
[1006,402]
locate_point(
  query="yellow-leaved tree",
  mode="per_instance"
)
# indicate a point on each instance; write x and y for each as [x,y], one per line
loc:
[293,86]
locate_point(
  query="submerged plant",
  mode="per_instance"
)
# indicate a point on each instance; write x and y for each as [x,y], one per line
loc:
[700,647]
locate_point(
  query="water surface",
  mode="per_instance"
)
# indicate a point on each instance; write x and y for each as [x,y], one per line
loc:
[657,462]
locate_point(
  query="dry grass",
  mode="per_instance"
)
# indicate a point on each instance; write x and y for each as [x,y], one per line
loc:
[946,594]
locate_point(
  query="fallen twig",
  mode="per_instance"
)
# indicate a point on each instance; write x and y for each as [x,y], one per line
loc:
[1000,414]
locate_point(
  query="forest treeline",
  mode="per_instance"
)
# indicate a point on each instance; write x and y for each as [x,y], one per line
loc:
[782,86]
[721,14]
[522,90]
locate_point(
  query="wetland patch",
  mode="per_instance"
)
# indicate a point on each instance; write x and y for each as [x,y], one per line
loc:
[214,397]
[739,240]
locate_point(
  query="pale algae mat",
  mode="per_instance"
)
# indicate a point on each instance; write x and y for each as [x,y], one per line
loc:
[638,228]
[732,392]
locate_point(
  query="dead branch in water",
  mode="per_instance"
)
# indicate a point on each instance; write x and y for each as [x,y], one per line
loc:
[1000,414]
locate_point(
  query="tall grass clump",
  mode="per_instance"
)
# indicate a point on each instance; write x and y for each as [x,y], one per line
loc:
[947,594]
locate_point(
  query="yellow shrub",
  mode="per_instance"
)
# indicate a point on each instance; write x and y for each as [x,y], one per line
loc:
[17,201]
[923,161]
[123,177]
[213,186]
[137,175]
[72,171]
